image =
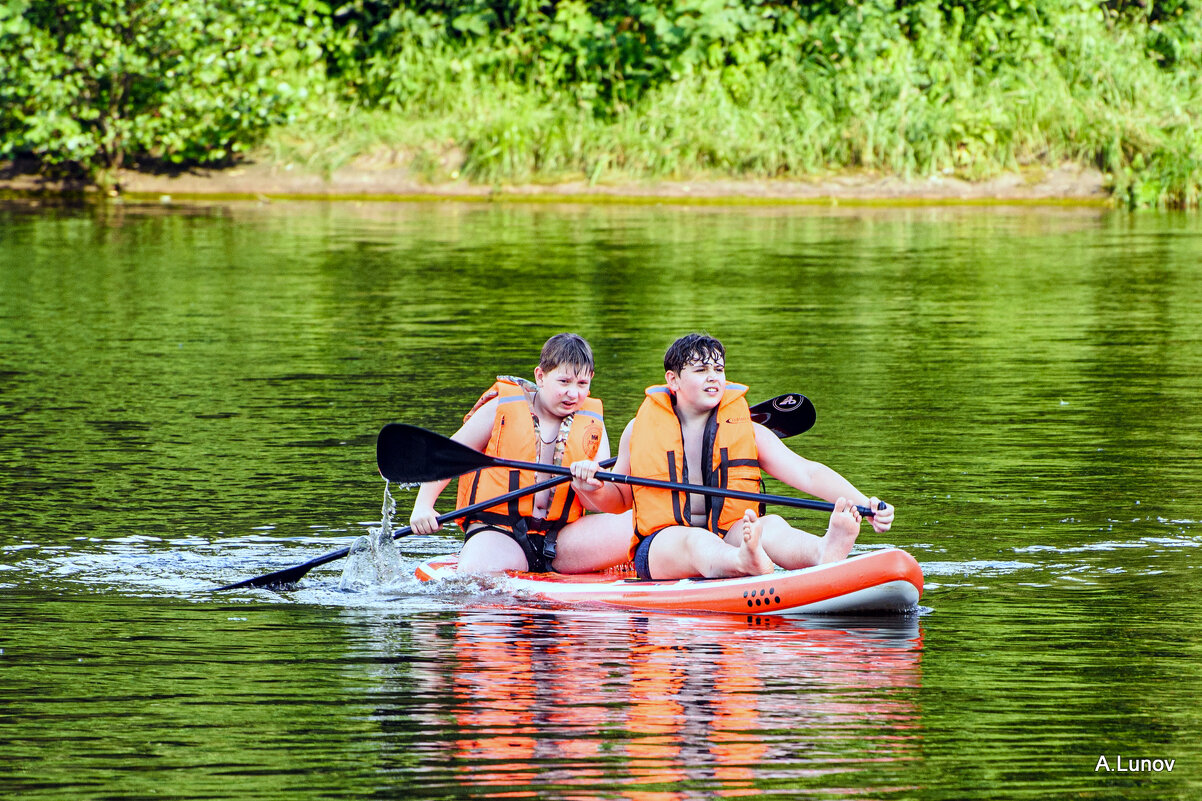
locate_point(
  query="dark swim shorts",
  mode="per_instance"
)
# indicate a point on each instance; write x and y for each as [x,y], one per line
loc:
[533,545]
[642,554]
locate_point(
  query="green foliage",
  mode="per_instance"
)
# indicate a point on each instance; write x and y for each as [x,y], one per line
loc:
[91,82]
[508,90]
[759,88]
[608,54]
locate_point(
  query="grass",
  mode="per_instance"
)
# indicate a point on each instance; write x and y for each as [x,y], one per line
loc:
[940,98]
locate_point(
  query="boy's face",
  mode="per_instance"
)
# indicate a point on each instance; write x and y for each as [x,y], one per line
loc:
[562,389]
[699,383]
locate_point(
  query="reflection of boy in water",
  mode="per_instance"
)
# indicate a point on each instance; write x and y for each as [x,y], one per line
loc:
[697,429]
[550,421]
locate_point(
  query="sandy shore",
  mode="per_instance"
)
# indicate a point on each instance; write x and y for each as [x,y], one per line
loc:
[1067,184]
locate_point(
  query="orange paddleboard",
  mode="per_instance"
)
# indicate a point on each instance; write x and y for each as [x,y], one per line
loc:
[880,581]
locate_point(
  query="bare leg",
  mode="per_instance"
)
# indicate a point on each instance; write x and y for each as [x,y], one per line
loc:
[793,549]
[491,552]
[789,547]
[686,551]
[594,542]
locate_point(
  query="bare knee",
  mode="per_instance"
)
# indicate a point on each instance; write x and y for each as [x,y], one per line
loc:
[491,552]
[775,523]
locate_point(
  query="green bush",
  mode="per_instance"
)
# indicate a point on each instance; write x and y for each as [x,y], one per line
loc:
[96,82]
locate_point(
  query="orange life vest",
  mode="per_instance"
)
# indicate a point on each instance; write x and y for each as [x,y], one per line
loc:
[513,437]
[729,459]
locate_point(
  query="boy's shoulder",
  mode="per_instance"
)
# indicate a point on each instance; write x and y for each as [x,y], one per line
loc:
[494,391]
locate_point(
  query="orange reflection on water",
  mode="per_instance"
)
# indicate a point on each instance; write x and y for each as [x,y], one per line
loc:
[659,708]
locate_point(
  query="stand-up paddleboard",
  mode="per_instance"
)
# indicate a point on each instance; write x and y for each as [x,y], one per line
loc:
[881,581]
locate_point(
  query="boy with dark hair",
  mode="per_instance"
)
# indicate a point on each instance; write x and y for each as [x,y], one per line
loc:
[697,429]
[554,421]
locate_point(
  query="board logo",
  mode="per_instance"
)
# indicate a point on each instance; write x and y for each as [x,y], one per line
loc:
[786,402]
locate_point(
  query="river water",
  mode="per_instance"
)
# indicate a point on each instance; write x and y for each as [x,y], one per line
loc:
[189,396]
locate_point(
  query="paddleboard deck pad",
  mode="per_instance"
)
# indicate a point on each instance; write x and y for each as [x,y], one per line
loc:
[888,580]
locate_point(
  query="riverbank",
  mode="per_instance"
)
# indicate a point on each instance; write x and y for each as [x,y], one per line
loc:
[726,101]
[1067,183]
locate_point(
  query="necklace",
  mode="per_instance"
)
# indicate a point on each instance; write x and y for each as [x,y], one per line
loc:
[538,431]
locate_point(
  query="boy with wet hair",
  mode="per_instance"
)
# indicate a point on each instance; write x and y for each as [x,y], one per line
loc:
[697,428]
[552,420]
[700,348]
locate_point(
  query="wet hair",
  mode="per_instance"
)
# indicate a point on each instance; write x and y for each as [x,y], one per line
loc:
[700,348]
[567,349]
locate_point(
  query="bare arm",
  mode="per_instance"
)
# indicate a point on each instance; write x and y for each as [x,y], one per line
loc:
[602,496]
[597,496]
[814,478]
[474,433]
[622,466]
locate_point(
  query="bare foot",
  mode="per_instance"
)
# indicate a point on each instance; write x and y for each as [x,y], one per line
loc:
[841,533]
[752,559]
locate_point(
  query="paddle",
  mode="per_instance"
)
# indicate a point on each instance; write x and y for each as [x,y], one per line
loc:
[785,415]
[410,454]
[292,575]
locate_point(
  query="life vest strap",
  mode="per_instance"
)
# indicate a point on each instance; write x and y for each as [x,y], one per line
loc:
[677,497]
[537,543]
[535,524]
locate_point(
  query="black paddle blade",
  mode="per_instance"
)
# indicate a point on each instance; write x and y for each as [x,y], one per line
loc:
[411,455]
[287,576]
[785,415]
[281,578]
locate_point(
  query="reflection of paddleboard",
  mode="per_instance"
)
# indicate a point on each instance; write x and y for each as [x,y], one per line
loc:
[881,581]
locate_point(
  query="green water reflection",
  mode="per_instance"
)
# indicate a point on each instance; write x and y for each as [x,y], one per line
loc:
[189,396]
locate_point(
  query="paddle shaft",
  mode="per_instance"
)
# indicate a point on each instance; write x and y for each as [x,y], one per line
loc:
[700,489]
[294,574]
[488,503]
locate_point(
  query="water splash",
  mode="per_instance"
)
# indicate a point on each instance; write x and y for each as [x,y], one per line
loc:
[375,558]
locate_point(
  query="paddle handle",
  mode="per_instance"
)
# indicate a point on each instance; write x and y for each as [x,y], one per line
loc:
[638,481]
